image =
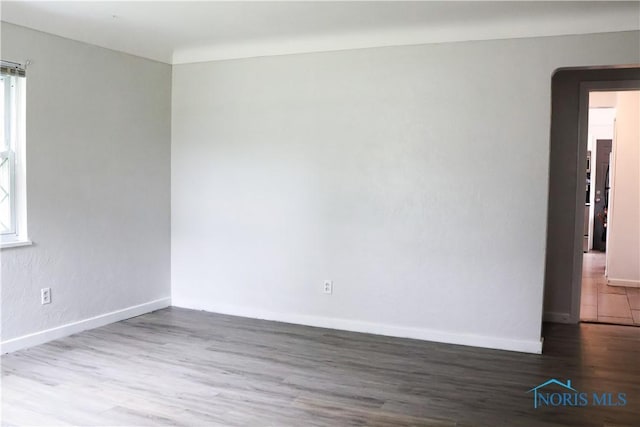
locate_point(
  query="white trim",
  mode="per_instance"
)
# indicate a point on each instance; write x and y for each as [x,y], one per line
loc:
[15,243]
[18,179]
[525,346]
[41,337]
[21,161]
[624,282]
[556,317]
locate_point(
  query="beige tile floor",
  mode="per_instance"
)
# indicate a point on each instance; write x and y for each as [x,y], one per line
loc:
[603,303]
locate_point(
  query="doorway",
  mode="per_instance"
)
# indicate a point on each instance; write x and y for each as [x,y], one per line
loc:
[602,301]
[569,224]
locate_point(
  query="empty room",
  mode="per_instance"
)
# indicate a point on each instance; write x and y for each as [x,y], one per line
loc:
[320,213]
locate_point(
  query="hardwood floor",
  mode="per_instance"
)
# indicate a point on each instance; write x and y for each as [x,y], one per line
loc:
[184,367]
[602,303]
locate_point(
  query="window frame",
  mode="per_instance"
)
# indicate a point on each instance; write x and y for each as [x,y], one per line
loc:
[15,153]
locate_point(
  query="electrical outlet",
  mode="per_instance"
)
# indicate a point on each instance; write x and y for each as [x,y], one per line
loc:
[328,287]
[45,296]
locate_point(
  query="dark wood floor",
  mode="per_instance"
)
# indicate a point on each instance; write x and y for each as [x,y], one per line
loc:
[183,367]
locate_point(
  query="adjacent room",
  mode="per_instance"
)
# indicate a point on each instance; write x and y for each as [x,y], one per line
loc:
[611,266]
[319,213]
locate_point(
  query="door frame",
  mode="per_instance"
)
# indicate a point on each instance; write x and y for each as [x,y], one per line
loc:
[583,130]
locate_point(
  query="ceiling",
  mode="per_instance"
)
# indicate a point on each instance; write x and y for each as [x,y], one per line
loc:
[178,32]
[603,99]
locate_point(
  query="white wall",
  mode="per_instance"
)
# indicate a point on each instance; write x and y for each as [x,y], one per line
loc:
[414,177]
[98,160]
[623,234]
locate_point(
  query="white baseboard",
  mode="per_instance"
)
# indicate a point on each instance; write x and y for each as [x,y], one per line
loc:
[525,346]
[41,337]
[625,283]
[556,317]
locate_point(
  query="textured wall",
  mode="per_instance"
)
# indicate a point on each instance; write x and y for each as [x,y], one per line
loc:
[414,177]
[98,160]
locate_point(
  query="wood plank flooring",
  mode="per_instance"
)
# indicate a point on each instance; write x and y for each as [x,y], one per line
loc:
[185,367]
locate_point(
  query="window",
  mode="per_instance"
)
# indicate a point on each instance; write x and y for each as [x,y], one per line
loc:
[13,218]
